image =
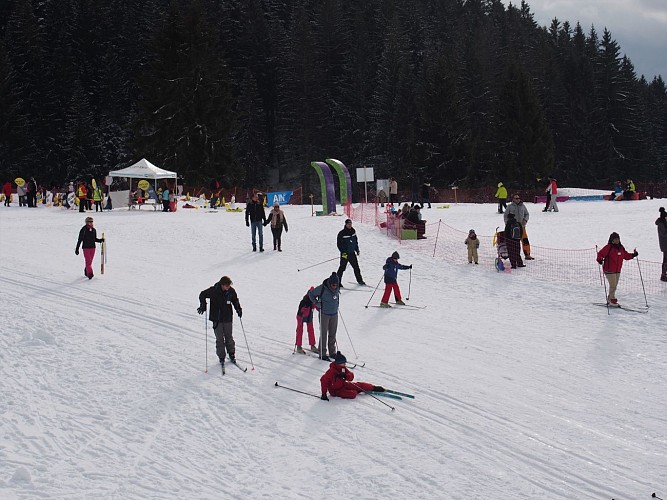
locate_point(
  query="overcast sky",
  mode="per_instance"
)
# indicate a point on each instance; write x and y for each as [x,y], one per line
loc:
[639,26]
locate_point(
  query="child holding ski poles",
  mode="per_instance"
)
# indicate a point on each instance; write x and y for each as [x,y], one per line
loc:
[611,258]
[338,381]
[304,314]
[391,268]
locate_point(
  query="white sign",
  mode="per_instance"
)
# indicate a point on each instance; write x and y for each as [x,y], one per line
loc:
[365,174]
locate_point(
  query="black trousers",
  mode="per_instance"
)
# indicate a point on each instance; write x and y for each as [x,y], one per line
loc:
[352,259]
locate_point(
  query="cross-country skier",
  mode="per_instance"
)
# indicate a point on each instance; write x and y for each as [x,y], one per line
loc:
[391,268]
[222,297]
[611,258]
[338,381]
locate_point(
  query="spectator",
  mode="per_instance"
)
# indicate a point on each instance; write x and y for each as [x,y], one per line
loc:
[7,191]
[521,215]
[661,222]
[472,242]
[277,220]
[513,232]
[426,194]
[501,194]
[393,190]
[254,218]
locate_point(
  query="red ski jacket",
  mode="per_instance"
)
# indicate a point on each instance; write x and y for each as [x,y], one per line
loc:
[611,257]
[333,383]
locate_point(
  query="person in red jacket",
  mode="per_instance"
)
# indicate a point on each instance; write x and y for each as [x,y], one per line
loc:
[338,381]
[611,258]
[7,191]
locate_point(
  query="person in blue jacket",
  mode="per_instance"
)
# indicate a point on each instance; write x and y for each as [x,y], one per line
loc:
[325,299]
[348,246]
[391,268]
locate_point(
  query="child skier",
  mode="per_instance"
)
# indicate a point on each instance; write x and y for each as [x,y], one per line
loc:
[222,297]
[87,239]
[391,268]
[304,314]
[611,259]
[473,244]
[338,381]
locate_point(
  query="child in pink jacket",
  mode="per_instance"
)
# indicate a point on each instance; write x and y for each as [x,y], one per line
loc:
[304,314]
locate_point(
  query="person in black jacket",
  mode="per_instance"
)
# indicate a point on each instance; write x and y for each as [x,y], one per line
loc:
[222,297]
[349,249]
[87,239]
[255,218]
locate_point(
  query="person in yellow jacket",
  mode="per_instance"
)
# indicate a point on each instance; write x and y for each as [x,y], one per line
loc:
[82,194]
[97,197]
[501,194]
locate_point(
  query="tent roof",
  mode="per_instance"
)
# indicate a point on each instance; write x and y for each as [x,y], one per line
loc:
[143,169]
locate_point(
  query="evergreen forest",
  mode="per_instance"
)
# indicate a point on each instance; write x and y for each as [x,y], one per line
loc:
[249,92]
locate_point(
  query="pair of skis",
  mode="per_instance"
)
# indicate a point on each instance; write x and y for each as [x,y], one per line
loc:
[623,308]
[222,367]
[312,354]
[388,393]
[401,306]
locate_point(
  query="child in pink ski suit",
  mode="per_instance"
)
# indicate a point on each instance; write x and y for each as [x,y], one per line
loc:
[304,314]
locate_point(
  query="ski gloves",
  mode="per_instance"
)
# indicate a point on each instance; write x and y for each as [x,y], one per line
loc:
[343,255]
[635,253]
[76,252]
[201,309]
[324,397]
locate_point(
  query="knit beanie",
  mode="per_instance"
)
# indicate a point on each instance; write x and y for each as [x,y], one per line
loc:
[333,279]
[395,256]
[339,359]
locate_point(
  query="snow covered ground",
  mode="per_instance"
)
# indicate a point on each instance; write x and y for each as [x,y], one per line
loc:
[523,388]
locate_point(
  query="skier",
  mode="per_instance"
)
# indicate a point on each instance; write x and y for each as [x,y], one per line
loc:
[222,297]
[304,314]
[277,220]
[337,380]
[501,194]
[661,222]
[87,239]
[472,242]
[391,268]
[254,218]
[325,299]
[348,245]
[611,258]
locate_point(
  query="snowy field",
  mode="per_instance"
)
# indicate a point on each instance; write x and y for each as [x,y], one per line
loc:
[524,389]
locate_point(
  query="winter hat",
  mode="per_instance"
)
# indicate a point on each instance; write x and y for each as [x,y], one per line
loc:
[395,256]
[333,279]
[500,184]
[89,219]
[472,231]
[662,212]
[339,359]
[276,204]
[348,221]
[613,236]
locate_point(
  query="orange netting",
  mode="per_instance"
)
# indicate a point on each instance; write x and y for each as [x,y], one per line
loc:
[446,243]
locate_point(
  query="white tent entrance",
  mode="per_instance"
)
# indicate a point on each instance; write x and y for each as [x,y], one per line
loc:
[144,169]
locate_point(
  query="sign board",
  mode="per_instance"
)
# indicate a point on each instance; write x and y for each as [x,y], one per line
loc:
[365,174]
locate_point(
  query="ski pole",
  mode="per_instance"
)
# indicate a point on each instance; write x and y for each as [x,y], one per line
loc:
[604,283]
[295,390]
[642,280]
[372,395]
[409,284]
[653,495]
[246,344]
[318,264]
[356,356]
[206,330]
[376,289]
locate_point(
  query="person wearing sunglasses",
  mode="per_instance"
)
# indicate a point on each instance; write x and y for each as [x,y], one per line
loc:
[87,239]
[521,215]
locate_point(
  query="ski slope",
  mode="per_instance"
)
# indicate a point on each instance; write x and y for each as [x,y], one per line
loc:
[523,388]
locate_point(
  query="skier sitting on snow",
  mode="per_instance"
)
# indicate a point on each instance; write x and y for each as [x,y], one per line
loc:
[338,381]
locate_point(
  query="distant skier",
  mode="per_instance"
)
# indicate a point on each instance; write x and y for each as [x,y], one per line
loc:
[611,258]
[661,222]
[337,380]
[391,268]
[501,194]
[87,239]
[222,297]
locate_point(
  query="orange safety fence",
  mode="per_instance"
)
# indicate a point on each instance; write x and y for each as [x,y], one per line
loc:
[446,243]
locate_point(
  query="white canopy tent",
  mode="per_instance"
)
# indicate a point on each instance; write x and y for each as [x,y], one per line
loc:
[144,169]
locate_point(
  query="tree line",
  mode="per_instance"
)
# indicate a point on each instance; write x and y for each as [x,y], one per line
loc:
[249,92]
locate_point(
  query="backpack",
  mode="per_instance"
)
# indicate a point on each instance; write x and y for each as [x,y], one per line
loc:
[515,230]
